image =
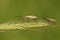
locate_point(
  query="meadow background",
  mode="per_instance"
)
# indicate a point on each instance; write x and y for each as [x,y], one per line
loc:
[10,9]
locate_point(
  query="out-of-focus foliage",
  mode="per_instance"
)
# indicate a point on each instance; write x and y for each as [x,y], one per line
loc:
[10,9]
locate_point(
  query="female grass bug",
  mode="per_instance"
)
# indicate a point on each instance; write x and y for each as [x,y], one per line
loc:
[33,18]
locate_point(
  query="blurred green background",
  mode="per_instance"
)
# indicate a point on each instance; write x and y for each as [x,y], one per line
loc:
[10,9]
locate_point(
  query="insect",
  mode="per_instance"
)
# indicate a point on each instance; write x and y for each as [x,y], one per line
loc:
[30,17]
[50,20]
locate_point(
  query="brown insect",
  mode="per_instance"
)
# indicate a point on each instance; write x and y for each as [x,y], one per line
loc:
[50,20]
